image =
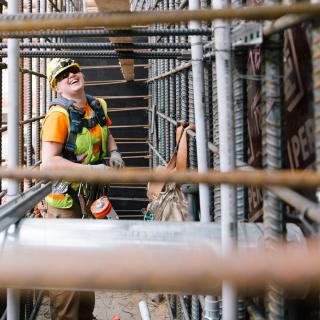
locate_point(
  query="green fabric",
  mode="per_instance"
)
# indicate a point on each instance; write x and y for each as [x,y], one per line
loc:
[65,203]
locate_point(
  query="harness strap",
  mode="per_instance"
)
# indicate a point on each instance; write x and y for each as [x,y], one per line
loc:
[77,121]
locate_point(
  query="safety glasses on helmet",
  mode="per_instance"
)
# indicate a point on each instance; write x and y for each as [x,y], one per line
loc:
[65,73]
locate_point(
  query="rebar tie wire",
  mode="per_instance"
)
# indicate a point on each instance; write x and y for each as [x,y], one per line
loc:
[63,21]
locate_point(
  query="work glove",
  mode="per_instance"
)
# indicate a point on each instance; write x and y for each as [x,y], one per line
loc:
[116,159]
[99,166]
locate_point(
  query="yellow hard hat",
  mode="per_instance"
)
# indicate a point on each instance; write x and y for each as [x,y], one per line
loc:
[56,66]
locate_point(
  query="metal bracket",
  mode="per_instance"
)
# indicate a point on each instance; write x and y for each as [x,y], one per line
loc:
[247,34]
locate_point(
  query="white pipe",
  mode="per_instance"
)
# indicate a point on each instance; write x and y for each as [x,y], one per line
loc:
[227,152]
[84,6]
[13,108]
[198,85]
[153,256]
[13,296]
[144,311]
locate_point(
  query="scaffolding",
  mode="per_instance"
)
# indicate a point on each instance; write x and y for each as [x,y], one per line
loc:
[243,80]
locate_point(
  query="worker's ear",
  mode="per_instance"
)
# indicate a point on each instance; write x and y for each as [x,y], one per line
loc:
[57,88]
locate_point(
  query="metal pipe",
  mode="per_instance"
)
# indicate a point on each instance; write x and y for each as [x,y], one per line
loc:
[84,6]
[171,257]
[63,21]
[173,71]
[198,86]
[285,22]
[164,162]
[292,179]
[16,209]
[222,36]
[211,308]
[144,311]
[13,295]
[169,119]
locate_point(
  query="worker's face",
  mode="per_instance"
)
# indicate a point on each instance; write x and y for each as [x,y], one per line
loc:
[70,82]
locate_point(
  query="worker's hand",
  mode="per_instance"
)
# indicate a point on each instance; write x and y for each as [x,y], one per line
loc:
[99,166]
[116,159]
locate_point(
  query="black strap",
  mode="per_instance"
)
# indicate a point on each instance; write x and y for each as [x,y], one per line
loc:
[77,121]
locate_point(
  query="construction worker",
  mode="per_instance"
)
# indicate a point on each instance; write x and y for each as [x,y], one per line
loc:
[75,135]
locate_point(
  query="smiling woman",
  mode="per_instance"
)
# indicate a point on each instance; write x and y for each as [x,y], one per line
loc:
[75,135]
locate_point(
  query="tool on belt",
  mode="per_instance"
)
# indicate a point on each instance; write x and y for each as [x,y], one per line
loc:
[102,209]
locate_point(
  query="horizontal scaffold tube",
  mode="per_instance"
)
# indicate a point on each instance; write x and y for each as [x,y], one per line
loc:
[147,256]
[63,21]
[261,178]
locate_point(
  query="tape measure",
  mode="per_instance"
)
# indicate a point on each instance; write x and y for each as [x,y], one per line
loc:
[101,207]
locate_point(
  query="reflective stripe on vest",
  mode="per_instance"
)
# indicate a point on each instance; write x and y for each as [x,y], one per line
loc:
[61,201]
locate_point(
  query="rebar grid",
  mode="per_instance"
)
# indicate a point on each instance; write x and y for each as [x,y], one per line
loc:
[58,21]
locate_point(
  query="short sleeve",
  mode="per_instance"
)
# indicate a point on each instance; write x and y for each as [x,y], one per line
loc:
[104,106]
[109,122]
[55,127]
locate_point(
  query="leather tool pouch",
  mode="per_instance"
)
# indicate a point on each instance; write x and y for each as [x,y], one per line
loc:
[167,202]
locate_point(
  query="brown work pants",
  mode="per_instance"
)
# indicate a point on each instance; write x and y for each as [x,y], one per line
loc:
[70,305]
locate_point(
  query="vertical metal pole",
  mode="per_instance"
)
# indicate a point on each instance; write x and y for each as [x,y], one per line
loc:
[227,152]
[84,6]
[13,296]
[198,86]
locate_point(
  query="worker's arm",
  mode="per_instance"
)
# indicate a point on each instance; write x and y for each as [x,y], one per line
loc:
[115,160]
[112,145]
[51,157]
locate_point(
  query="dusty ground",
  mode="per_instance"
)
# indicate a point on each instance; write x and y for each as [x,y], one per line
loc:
[122,304]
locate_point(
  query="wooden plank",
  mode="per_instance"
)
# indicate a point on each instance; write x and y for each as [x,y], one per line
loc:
[113,5]
[126,65]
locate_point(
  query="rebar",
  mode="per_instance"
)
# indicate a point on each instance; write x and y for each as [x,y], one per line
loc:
[99,45]
[28,115]
[216,158]
[101,53]
[184,96]
[273,219]
[195,308]
[166,111]
[316,94]
[192,141]
[105,33]
[62,21]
